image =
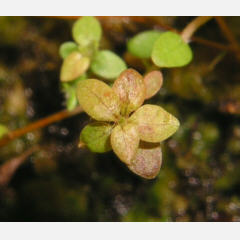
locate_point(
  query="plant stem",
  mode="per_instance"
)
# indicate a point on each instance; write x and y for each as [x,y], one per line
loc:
[38,124]
[228,35]
[212,44]
[191,28]
[8,168]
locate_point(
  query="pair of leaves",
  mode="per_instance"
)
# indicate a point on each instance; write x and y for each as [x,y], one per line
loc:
[104,103]
[165,49]
[79,56]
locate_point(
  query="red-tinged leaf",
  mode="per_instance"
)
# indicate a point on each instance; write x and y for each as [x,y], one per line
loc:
[153,82]
[124,141]
[148,160]
[131,91]
[154,123]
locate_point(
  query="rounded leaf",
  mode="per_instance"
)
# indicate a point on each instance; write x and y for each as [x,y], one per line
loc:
[97,137]
[87,30]
[67,48]
[130,89]
[125,141]
[98,100]
[153,82]
[170,50]
[141,45]
[154,123]
[148,160]
[107,64]
[74,66]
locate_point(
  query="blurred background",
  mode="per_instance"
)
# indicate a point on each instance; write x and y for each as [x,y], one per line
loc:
[44,176]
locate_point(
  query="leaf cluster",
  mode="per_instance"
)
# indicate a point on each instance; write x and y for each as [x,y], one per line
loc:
[122,123]
[83,57]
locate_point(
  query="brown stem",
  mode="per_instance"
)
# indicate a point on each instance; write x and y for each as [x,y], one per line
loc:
[228,35]
[8,169]
[38,124]
[192,27]
[212,44]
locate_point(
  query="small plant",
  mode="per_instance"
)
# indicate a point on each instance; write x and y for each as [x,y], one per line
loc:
[120,122]
[133,131]
[83,57]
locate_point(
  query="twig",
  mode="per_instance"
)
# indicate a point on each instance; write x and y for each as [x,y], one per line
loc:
[38,124]
[8,169]
[189,30]
[228,35]
[212,44]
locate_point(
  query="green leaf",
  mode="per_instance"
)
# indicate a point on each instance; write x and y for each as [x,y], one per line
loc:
[87,31]
[141,45]
[67,48]
[153,82]
[124,141]
[71,97]
[97,137]
[3,130]
[171,51]
[70,89]
[107,64]
[98,100]
[130,89]
[148,160]
[74,66]
[154,123]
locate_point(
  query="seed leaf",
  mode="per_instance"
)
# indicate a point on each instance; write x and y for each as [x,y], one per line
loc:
[130,89]
[148,160]
[98,100]
[87,31]
[170,50]
[124,141]
[141,45]
[97,137]
[154,123]
[153,82]
[74,66]
[107,64]
[67,48]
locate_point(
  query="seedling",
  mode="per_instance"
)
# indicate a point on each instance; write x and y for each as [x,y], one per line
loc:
[134,131]
[83,58]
